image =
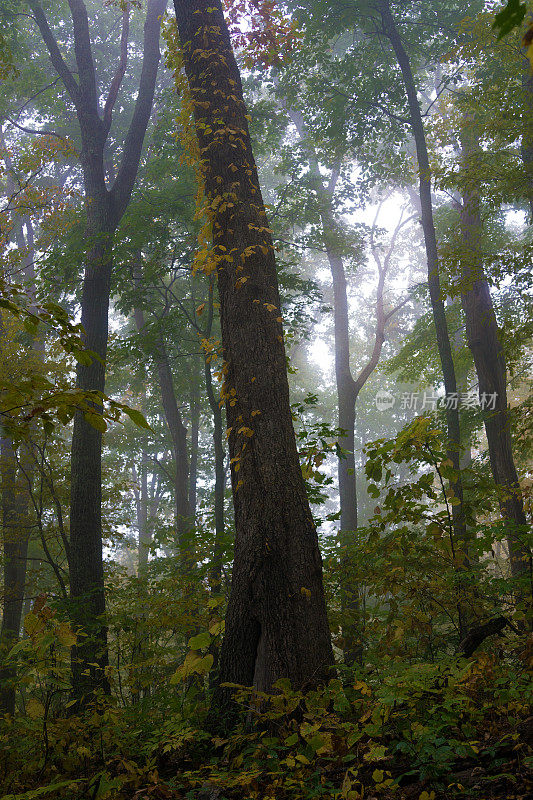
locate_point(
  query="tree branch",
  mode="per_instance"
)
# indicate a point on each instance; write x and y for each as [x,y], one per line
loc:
[84,57]
[55,56]
[125,179]
[121,69]
[34,131]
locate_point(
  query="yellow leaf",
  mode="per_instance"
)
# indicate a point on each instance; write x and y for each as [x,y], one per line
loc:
[65,635]
[529,54]
[34,708]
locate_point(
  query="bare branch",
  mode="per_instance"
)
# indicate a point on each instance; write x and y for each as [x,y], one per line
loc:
[35,131]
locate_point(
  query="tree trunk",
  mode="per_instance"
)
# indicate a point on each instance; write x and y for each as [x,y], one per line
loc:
[16,534]
[195,431]
[346,401]
[16,484]
[105,208]
[178,434]
[527,136]
[215,571]
[143,518]
[489,358]
[276,622]
[437,304]
[89,658]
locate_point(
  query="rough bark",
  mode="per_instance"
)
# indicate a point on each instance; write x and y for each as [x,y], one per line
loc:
[483,339]
[105,207]
[390,30]
[276,622]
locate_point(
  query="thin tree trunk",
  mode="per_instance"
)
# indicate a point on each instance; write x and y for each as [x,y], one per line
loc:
[143,516]
[276,622]
[215,570]
[16,530]
[178,434]
[489,358]
[437,304]
[141,634]
[16,485]
[527,136]
[195,431]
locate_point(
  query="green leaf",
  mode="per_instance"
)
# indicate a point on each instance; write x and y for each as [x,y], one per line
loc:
[136,417]
[200,640]
[96,420]
[510,17]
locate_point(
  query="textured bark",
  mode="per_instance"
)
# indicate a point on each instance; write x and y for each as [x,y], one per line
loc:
[276,623]
[489,358]
[390,30]
[105,207]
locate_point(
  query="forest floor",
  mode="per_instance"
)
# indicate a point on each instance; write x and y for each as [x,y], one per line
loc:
[455,730]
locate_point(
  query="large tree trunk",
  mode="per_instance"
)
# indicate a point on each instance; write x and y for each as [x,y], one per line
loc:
[105,208]
[437,303]
[276,622]
[489,358]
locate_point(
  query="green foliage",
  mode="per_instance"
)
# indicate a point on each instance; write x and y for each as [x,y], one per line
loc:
[509,17]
